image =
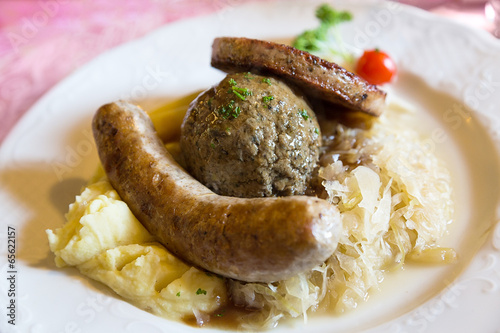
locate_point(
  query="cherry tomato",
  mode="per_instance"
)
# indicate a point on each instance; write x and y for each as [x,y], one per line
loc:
[376,67]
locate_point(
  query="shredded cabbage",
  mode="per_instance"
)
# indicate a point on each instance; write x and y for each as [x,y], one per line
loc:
[394,196]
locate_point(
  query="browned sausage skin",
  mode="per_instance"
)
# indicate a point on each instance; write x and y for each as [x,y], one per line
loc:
[258,239]
[315,76]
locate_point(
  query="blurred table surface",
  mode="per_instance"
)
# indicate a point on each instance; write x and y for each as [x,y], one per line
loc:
[43,41]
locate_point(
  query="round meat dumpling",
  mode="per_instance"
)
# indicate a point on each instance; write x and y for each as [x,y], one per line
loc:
[251,136]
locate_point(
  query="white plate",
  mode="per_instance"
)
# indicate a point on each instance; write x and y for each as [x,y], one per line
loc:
[443,65]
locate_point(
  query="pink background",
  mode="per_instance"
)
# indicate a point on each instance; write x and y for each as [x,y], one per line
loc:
[42,41]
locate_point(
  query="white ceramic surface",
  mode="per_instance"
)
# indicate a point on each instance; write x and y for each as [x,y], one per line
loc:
[449,73]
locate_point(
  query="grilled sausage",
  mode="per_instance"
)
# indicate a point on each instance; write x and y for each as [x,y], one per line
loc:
[256,239]
[317,77]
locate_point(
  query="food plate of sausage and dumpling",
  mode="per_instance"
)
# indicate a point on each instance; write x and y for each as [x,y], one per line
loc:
[268,179]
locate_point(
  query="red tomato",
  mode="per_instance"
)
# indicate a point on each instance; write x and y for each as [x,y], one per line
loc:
[376,67]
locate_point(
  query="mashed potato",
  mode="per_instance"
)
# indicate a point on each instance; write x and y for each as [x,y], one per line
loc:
[104,240]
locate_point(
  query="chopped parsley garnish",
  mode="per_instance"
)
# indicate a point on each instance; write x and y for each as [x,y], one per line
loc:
[316,130]
[248,75]
[201,292]
[304,114]
[178,294]
[236,112]
[212,145]
[229,110]
[267,99]
[266,80]
[317,39]
[221,314]
[241,92]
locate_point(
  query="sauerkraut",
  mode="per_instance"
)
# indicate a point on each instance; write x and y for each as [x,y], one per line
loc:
[396,202]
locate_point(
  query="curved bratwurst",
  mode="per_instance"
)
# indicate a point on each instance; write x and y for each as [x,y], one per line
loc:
[258,239]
